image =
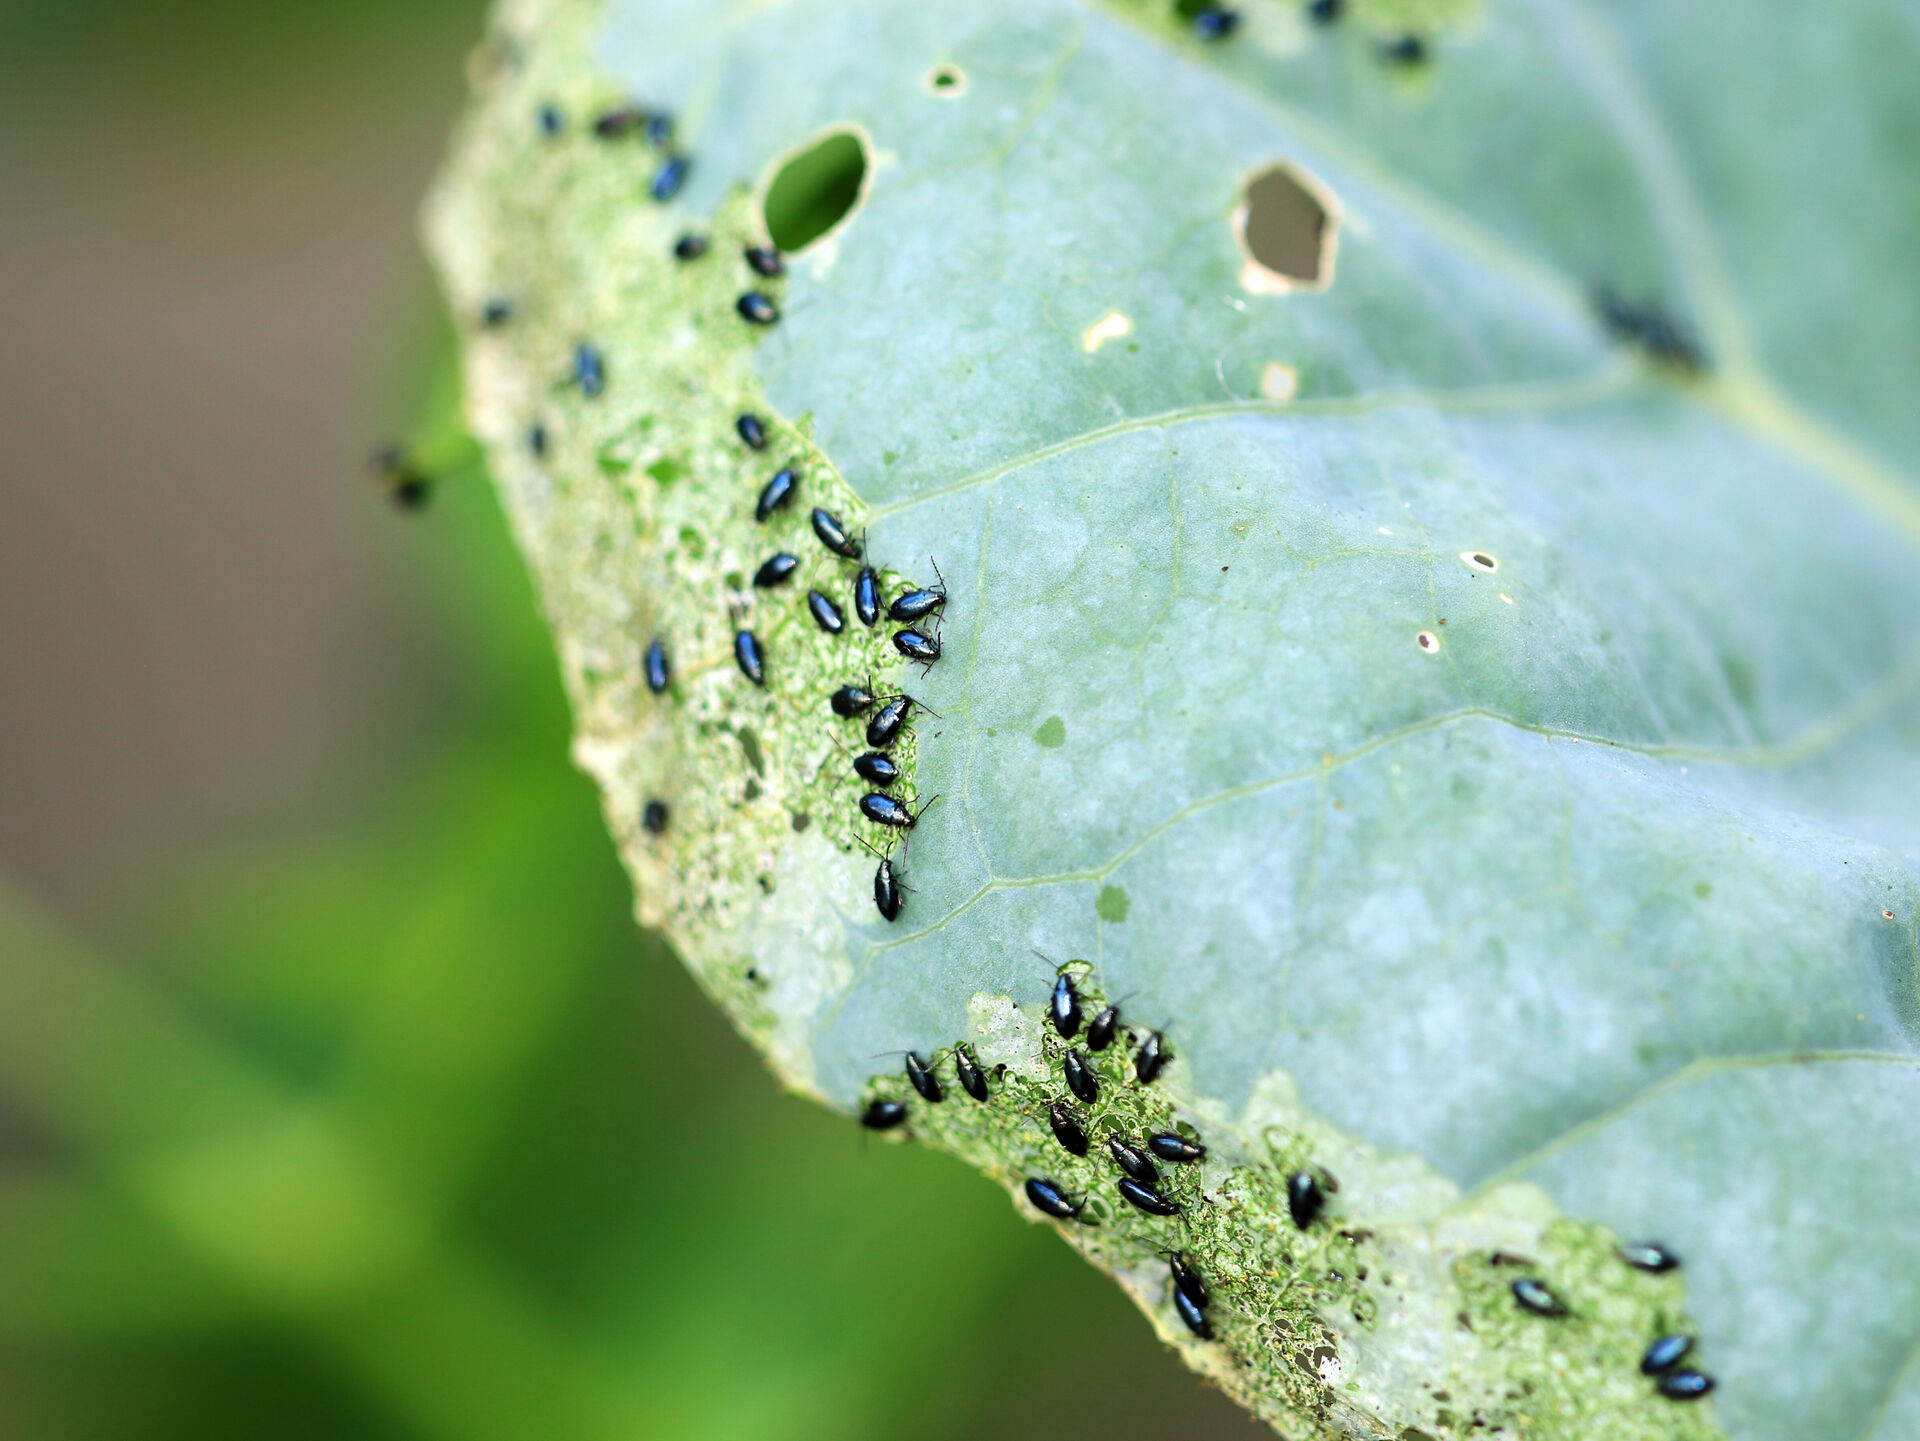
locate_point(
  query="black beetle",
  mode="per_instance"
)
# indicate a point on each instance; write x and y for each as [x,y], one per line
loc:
[826,614]
[552,122]
[1171,1147]
[1191,1313]
[497,311]
[886,898]
[659,128]
[883,1115]
[915,646]
[1323,12]
[1064,1005]
[887,889]
[1684,1385]
[764,260]
[1101,1029]
[1152,1055]
[746,650]
[912,604]
[1666,343]
[1648,327]
[1649,1256]
[776,569]
[612,124]
[589,370]
[409,490]
[876,768]
[1048,1197]
[776,494]
[850,701]
[756,309]
[668,179]
[1622,320]
[1664,1354]
[1067,1129]
[690,246]
[1304,1198]
[1535,1296]
[1215,24]
[1145,1198]
[1134,1162]
[884,728]
[1407,50]
[886,811]
[923,1078]
[537,440]
[973,1080]
[659,669]
[866,596]
[833,535]
[1081,1080]
[654,818]
[1187,1280]
[752,430]
[408,487]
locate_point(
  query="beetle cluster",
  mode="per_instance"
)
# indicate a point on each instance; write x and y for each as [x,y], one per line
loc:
[887,715]
[1096,1060]
[887,718]
[1407,50]
[656,127]
[917,609]
[753,305]
[1662,1358]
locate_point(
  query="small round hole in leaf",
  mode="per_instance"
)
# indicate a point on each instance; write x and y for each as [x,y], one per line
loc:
[1279,382]
[1288,228]
[946,81]
[815,189]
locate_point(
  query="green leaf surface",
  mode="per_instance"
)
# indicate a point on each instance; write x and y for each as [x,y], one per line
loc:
[1489,756]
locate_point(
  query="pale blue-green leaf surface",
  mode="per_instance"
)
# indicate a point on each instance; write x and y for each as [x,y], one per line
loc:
[1609,885]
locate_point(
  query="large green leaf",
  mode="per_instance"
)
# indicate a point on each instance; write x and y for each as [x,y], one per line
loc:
[1488,755]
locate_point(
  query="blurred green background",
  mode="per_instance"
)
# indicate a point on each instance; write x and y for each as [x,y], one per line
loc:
[339,1096]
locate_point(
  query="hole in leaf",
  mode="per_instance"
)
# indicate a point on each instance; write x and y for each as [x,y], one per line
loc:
[1279,382]
[815,190]
[1289,228]
[1427,641]
[1110,326]
[1480,560]
[946,81]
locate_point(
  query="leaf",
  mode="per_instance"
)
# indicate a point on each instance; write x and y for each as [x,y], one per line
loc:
[1483,747]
